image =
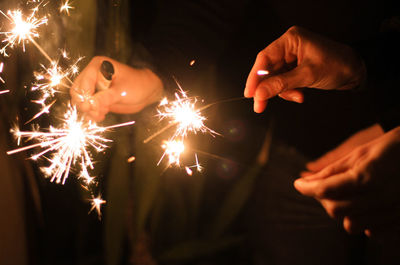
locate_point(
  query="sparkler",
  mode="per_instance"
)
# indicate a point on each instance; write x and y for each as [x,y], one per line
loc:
[49,81]
[68,145]
[183,114]
[23,30]
[188,119]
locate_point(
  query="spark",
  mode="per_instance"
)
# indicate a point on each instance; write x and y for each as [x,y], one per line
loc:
[192,62]
[66,147]
[131,159]
[65,7]
[4,91]
[45,109]
[198,166]
[1,70]
[85,176]
[96,204]
[173,149]
[262,72]
[189,171]
[183,113]
[50,81]
[23,29]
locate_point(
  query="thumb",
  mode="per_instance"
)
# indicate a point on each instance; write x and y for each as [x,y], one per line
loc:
[277,84]
[101,101]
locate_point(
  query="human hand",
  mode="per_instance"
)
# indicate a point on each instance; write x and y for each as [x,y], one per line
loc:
[300,58]
[362,188]
[359,138]
[130,91]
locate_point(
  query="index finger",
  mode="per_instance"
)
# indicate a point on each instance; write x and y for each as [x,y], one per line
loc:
[272,58]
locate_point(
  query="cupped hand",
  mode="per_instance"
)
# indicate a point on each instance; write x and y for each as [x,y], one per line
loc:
[130,91]
[363,187]
[362,137]
[298,59]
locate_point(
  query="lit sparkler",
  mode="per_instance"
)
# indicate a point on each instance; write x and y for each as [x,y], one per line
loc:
[187,118]
[49,82]
[183,114]
[68,145]
[22,29]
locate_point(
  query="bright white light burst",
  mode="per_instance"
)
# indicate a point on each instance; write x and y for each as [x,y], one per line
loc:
[65,7]
[22,29]
[67,146]
[184,114]
[96,205]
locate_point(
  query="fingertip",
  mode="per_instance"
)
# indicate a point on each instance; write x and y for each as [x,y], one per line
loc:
[294,95]
[298,184]
[247,93]
[292,98]
[260,105]
[305,186]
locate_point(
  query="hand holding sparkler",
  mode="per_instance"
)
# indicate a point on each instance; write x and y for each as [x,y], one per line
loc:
[300,58]
[130,90]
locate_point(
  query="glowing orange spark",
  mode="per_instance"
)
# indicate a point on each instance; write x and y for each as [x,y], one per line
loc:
[131,159]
